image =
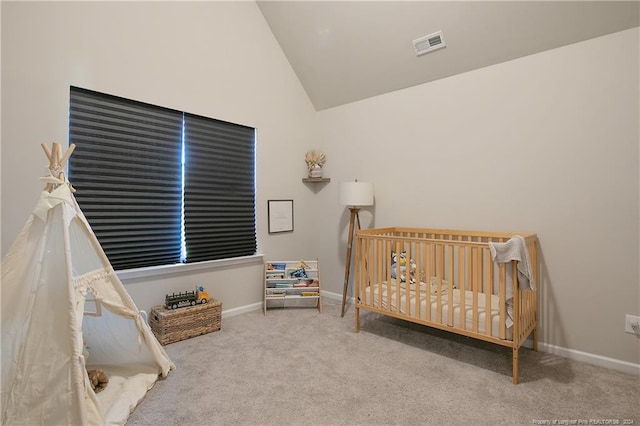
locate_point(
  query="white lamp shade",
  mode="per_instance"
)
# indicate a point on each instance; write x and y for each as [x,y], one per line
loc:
[355,193]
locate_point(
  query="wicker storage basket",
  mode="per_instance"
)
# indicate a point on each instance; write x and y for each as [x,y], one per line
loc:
[173,325]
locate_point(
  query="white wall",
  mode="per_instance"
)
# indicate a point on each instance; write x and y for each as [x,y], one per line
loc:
[548,143]
[216,59]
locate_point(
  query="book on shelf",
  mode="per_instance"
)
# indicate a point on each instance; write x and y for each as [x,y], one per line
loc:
[284,285]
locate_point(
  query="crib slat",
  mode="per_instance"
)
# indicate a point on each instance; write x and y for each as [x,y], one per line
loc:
[384,278]
[516,323]
[503,298]
[419,295]
[439,272]
[474,286]
[488,290]
[380,251]
[363,274]
[450,288]
[360,272]
[428,274]
[407,279]
[464,278]
[516,303]
[398,299]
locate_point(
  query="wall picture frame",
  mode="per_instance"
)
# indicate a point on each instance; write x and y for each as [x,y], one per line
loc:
[280,214]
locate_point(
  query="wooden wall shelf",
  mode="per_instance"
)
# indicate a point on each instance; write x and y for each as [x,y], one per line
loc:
[316,180]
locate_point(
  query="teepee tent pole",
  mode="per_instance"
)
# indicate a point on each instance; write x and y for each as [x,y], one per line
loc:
[56,161]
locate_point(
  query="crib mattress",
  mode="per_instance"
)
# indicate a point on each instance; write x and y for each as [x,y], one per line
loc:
[396,301]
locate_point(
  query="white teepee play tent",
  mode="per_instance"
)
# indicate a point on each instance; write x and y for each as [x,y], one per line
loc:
[64,310]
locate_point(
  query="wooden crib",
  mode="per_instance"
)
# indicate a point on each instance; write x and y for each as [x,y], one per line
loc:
[448,279]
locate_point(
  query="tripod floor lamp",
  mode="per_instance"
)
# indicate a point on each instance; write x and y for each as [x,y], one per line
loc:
[355,195]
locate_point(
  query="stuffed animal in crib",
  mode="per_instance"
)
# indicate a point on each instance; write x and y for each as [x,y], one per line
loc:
[402,261]
[395,260]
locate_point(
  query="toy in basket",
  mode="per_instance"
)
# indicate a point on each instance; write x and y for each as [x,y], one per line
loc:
[187,298]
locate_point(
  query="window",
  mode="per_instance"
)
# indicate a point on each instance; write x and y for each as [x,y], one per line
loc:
[160,186]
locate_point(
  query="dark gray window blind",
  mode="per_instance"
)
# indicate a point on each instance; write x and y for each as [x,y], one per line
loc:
[128,174]
[219,196]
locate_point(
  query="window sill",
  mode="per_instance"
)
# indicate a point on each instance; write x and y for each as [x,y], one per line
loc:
[179,268]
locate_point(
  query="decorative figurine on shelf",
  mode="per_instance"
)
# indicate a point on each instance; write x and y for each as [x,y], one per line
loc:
[315,160]
[187,298]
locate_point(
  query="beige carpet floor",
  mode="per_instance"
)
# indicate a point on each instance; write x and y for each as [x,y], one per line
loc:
[300,367]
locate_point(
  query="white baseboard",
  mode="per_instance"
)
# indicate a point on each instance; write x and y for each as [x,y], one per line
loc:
[241,310]
[255,306]
[602,361]
[335,296]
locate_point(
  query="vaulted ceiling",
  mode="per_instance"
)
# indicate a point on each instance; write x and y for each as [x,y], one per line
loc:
[344,51]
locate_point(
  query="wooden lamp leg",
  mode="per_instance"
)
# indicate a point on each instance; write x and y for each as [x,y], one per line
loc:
[347,267]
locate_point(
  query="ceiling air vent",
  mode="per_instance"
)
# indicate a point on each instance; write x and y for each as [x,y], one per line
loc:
[429,43]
